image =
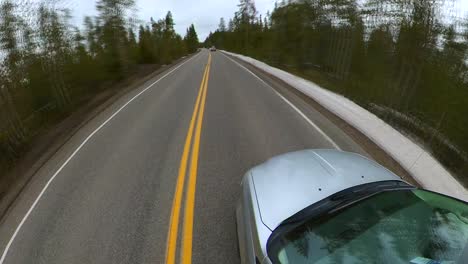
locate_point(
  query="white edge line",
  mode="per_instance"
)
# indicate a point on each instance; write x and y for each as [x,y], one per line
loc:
[290,104]
[10,242]
[310,121]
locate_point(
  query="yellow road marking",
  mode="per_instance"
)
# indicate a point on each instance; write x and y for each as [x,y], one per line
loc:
[176,203]
[186,255]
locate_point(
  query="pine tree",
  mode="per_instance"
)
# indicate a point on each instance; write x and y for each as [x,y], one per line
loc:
[222,25]
[168,38]
[191,39]
[114,35]
[11,76]
[55,46]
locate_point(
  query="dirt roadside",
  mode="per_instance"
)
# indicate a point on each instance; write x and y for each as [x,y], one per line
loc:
[44,145]
[366,144]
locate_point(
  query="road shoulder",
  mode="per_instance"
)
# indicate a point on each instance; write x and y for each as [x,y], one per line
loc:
[377,153]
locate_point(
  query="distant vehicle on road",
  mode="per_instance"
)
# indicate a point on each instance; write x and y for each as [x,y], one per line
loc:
[213,48]
[328,206]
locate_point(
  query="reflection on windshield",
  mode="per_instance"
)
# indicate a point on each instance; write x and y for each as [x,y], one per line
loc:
[391,227]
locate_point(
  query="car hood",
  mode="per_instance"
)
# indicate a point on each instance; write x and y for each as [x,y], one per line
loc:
[288,183]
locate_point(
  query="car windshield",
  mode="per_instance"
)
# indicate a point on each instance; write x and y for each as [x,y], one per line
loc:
[412,226]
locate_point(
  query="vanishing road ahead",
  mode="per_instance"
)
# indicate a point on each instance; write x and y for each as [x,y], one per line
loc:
[155,177]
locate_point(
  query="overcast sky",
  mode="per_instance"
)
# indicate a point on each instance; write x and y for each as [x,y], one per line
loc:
[203,14]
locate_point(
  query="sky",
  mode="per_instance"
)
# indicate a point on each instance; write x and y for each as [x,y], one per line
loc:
[204,15]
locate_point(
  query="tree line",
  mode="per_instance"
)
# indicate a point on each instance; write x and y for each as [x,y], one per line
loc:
[403,60]
[49,66]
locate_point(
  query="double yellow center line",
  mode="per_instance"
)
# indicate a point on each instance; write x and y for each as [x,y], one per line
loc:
[195,125]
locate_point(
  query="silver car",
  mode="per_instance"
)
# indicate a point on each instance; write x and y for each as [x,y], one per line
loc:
[328,206]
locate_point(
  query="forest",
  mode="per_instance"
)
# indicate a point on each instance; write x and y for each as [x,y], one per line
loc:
[49,67]
[404,60]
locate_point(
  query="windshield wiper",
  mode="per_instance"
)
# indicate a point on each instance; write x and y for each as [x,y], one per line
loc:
[343,199]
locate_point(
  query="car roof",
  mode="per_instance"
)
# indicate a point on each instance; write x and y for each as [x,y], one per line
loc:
[288,183]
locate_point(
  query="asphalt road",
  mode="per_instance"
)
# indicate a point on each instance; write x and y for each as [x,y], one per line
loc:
[109,195]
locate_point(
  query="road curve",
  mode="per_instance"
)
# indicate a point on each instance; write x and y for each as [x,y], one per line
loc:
[108,196]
